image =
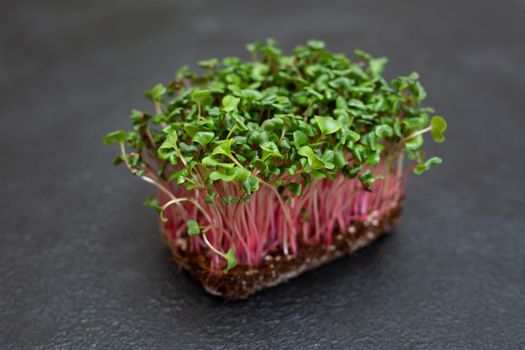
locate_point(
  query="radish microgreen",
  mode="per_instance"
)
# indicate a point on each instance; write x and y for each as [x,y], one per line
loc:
[278,122]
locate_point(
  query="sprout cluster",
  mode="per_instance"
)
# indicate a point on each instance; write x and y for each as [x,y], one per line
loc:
[277,120]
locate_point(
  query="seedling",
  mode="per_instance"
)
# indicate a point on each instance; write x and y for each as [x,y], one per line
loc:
[268,167]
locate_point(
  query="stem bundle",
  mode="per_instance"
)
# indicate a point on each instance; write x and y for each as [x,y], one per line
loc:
[255,228]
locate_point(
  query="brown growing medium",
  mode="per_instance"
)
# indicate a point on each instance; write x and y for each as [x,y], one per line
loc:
[243,281]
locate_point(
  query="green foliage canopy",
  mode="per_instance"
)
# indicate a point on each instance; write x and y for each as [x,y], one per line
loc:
[313,113]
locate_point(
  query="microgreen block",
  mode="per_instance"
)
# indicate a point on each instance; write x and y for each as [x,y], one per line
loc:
[275,122]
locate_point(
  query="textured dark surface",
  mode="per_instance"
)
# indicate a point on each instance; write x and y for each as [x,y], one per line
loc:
[81,261]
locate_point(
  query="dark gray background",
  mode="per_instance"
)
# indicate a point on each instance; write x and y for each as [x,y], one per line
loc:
[81,261]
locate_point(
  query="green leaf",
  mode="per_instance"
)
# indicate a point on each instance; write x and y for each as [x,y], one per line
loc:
[223,148]
[327,125]
[421,168]
[357,152]
[383,130]
[231,199]
[272,124]
[397,128]
[202,97]
[270,49]
[209,162]
[299,138]
[270,149]
[365,177]
[438,125]
[251,184]
[362,54]
[192,129]
[118,159]
[342,83]
[354,136]
[203,137]
[414,143]
[230,259]
[377,65]
[241,174]
[136,117]
[118,136]
[314,93]
[260,165]
[419,91]
[170,141]
[179,176]
[156,93]
[251,94]
[433,161]
[295,187]
[230,103]
[340,103]
[253,47]
[416,122]
[353,172]
[193,228]
[343,117]
[208,64]
[210,198]
[357,104]
[217,175]
[168,150]
[373,158]
[316,44]
[257,137]
[134,159]
[313,161]
[152,202]
[259,71]
[339,159]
